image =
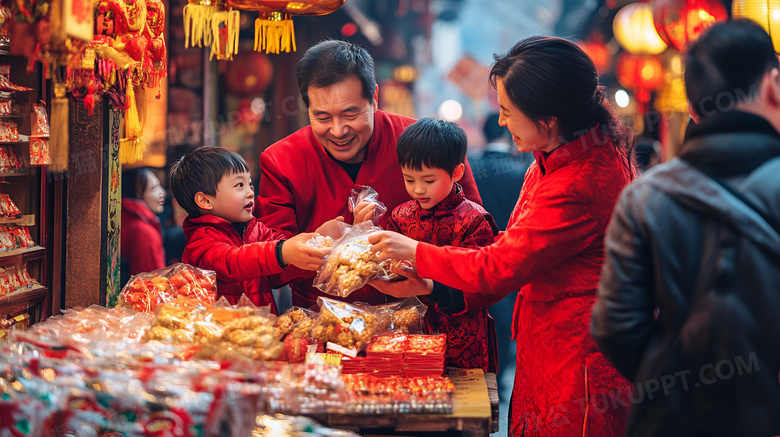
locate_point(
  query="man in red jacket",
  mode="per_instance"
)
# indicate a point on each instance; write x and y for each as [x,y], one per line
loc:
[306,178]
[214,186]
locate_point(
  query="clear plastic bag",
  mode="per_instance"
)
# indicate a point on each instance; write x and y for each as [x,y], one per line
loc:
[351,265]
[350,326]
[404,317]
[362,193]
[296,321]
[144,291]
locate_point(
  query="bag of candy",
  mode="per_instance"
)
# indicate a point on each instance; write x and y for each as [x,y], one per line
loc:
[144,291]
[405,316]
[350,326]
[362,193]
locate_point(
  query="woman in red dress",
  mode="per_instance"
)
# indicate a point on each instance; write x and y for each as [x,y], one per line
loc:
[552,250]
[141,234]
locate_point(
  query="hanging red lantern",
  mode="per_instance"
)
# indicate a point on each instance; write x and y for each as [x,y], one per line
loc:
[641,74]
[679,22]
[249,74]
[274,29]
[598,52]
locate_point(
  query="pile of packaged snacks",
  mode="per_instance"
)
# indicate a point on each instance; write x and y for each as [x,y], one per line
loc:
[143,292]
[14,278]
[351,326]
[9,132]
[15,237]
[304,388]
[294,426]
[7,207]
[221,332]
[9,161]
[396,395]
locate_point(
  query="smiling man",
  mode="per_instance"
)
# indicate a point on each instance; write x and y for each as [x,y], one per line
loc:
[306,178]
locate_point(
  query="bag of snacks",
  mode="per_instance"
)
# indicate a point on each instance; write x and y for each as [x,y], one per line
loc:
[144,291]
[350,326]
[404,317]
[296,321]
[351,265]
[362,193]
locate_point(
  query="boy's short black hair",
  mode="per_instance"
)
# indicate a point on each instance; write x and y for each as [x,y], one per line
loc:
[330,62]
[725,66]
[433,143]
[201,170]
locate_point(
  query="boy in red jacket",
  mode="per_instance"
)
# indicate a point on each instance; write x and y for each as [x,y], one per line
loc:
[432,155]
[215,188]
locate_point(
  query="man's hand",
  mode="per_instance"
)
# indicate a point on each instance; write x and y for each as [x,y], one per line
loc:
[332,228]
[301,255]
[412,286]
[364,211]
[392,245]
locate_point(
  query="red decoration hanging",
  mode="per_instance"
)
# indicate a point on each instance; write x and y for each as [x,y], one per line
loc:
[598,52]
[640,74]
[679,22]
[249,74]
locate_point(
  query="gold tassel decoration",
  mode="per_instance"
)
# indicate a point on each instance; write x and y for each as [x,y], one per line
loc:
[197,23]
[58,132]
[274,32]
[226,45]
[131,148]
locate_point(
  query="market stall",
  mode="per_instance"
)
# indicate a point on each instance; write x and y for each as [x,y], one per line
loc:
[187,365]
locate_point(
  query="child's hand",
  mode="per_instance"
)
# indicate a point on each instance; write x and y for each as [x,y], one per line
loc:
[392,245]
[301,255]
[364,211]
[332,228]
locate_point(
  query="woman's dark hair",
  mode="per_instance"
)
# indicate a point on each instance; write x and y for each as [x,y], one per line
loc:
[331,62]
[135,181]
[548,77]
[726,64]
[201,171]
[434,144]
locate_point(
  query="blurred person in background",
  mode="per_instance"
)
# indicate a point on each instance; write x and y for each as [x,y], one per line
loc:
[647,153]
[689,291]
[141,234]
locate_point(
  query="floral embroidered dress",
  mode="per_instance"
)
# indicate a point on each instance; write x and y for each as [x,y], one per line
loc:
[455,221]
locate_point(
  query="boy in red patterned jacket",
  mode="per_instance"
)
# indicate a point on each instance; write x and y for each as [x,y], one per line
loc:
[432,155]
[215,188]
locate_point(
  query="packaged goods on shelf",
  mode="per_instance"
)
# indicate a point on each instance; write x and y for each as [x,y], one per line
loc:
[15,237]
[145,291]
[14,278]
[39,151]
[9,160]
[7,207]
[9,132]
[40,121]
[15,322]
[6,107]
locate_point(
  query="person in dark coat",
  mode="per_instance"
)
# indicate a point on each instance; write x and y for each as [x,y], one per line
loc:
[689,300]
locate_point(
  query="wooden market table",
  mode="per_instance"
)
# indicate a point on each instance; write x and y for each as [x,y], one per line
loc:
[473,412]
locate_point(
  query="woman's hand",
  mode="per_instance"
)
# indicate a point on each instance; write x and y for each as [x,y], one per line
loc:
[412,286]
[392,245]
[364,211]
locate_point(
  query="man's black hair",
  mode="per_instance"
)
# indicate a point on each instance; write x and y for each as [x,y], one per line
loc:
[434,144]
[331,62]
[201,170]
[725,66]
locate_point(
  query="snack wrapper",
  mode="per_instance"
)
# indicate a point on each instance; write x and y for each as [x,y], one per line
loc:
[351,326]
[403,317]
[145,291]
[362,193]
[351,265]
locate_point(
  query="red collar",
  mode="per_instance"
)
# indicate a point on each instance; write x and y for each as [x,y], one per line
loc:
[455,198]
[191,223]
[139,209]
[570,152]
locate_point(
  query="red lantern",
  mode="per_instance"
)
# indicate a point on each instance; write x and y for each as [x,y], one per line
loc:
[679,22]
[249,74]
[598,52]
[274,30]
[641,74]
